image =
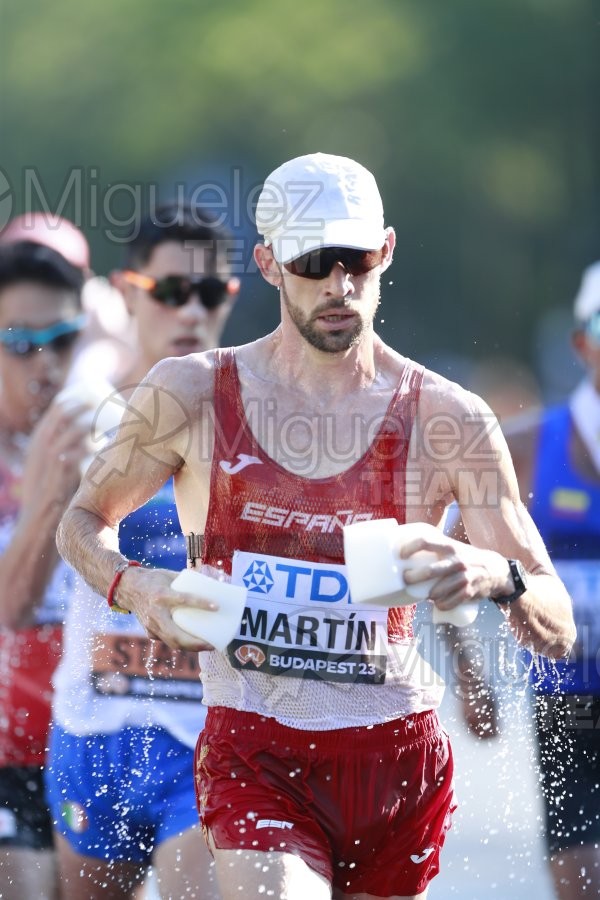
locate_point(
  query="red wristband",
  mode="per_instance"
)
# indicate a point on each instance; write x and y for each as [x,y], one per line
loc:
[120,570]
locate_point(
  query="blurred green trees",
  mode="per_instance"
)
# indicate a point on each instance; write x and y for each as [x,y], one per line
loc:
[478,117]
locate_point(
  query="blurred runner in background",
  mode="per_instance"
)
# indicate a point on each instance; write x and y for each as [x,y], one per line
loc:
[42,445]
[127,709]
[558,465]
[106,341]
[556,453]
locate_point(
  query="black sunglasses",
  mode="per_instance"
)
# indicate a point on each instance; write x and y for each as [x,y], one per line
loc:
[60,337]
[175,290]
[319,263]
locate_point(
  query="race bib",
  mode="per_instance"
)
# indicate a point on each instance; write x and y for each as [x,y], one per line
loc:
[299,622]
[128,665]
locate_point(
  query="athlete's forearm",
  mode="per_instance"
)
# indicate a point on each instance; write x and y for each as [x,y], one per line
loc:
[90,546]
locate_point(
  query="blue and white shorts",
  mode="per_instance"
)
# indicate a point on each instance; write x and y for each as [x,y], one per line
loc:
[118,796]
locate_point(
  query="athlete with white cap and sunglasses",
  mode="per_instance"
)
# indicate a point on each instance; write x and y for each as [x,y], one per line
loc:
[322,769]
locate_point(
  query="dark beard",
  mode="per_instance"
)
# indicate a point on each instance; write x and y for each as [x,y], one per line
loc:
[326,341]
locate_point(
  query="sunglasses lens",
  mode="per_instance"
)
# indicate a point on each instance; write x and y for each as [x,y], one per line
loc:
[319,263]
[213,292]
[22,347]
[63,342]
[171,291]
[592,327]
[359,262]
[175,291]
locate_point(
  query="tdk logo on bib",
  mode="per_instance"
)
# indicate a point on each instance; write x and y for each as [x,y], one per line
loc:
[296,581]
[258,578]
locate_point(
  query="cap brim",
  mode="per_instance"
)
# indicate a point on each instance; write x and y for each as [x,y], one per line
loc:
[354,233]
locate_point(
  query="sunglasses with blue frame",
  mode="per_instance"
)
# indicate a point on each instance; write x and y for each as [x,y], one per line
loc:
[59,337]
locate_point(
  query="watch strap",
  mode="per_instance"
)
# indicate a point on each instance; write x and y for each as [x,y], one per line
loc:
[516,570]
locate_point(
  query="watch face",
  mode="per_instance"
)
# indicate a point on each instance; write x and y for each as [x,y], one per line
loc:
[521,571]
[519,577]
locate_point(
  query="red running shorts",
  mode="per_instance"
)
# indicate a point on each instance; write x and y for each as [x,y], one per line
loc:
[368,808]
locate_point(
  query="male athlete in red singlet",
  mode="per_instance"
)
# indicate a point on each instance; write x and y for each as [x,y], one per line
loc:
[323,770]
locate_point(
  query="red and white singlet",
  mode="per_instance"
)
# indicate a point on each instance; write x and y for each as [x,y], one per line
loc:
[304,654]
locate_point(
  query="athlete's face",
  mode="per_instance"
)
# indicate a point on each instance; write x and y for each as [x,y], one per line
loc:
[333,313]
[29,381]
[166,330]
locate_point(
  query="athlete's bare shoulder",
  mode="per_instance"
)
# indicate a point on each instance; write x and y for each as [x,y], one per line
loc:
[170,405]
[189,379]
[448,414]
[439,393]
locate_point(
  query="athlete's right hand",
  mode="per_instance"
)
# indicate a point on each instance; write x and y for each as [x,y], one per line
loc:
[148,594]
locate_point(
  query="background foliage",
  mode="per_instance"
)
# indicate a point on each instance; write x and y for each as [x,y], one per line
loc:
[479,119]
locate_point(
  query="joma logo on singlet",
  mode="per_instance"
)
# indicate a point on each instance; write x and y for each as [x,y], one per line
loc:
[280,517]
[243,460]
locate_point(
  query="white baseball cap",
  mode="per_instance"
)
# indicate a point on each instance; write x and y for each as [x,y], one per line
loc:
[319,200]
[587,301]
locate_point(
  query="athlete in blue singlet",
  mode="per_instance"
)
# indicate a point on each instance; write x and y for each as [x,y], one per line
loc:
[557,460]
[127,708]
[565,484]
